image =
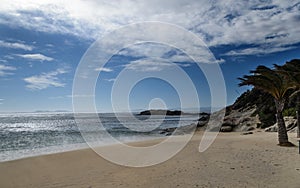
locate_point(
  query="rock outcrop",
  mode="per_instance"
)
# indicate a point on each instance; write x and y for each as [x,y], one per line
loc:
[188,129]
[254,110]
[162,112]
[203,120]
[290,123]
[241,120]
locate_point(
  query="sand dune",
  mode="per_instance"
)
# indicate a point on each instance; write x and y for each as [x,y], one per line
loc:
[233,160]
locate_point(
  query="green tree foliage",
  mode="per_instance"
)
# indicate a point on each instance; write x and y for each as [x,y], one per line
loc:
[278,86]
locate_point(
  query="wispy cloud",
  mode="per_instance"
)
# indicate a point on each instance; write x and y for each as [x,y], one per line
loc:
[38,57]
[149,65]
[15,45]
[156,50]
[218,23]
[3,60]
[6,70]
[110,80]
[258,51]
[49,45]
[45,80]
[104,69]
[175,54]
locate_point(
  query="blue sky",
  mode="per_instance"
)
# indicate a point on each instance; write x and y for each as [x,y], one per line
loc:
[42,43]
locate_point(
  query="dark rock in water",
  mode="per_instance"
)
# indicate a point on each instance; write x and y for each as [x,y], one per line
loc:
[202,123]
[174,113]
[168,131]
[162,112]
[204,114]
[226,129]
[179,131]
[204,118]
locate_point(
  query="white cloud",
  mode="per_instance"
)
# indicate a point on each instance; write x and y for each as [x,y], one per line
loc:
[6,70]
[257,51]
[227,22]
[9,57]
[257,23]
[149,65]
[45,80]
[110,80]
[15,45]
[3,60]
[49,45]
[156,52]
[104,69]
[39,57]
[146,49]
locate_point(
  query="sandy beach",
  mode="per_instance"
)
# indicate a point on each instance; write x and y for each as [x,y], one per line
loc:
[233,160]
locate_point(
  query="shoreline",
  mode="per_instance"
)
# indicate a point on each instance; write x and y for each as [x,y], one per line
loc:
[233,160]
[69,148]
[138,143]
[49,136]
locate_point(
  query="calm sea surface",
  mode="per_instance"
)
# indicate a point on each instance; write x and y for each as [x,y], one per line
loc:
[31,134]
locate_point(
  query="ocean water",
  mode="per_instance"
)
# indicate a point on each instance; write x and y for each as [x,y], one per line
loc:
[31,134]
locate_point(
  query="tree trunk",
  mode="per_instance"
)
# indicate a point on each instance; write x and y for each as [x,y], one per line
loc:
[298,115]
[282,134]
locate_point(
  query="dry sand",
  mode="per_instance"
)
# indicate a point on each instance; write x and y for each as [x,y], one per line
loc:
[233,160]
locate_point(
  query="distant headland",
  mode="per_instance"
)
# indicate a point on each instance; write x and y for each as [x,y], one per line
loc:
[162,112]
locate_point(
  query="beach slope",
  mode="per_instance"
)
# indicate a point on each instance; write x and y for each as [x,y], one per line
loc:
[234,160]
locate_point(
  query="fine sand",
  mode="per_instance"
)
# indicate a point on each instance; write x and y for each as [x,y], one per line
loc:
[233,160]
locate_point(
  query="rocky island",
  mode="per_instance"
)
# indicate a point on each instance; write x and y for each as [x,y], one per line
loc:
[162,112]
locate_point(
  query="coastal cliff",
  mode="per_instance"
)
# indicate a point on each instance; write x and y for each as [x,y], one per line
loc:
[255,109]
